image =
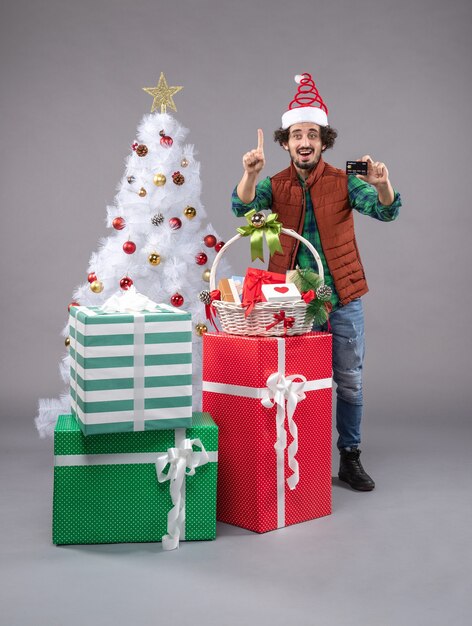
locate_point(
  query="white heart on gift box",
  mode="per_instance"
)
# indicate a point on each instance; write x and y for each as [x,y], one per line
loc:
[281,292]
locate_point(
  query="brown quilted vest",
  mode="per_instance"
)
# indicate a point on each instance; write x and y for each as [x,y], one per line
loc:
[329,195]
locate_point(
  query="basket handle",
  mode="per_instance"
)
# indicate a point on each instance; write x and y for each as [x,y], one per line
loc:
[286,231]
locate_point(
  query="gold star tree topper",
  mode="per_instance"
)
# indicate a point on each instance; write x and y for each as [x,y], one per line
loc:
[162,95]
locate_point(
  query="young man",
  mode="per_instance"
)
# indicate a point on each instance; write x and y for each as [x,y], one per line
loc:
[316,200]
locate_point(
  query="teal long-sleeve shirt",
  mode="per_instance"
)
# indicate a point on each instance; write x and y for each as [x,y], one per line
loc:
[362,197]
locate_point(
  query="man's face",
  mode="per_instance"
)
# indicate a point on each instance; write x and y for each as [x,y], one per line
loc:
[304,145]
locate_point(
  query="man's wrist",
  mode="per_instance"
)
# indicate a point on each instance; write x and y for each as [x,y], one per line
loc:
[385,193]
[251,177]
[382,187]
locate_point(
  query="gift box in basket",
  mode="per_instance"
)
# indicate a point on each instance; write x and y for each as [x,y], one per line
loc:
[135,486]
[131,365]
[271,400]
[259,313]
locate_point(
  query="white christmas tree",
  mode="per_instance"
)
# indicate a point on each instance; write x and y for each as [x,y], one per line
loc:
[159,243]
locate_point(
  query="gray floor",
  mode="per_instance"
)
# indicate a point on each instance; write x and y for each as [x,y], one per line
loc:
[399,556]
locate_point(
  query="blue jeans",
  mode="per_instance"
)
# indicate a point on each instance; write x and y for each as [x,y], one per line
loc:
[347,326]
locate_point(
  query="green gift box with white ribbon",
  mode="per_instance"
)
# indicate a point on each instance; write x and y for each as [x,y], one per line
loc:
[137,486]
[131,370]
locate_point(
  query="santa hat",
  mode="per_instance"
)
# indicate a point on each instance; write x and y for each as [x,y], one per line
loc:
[307,105]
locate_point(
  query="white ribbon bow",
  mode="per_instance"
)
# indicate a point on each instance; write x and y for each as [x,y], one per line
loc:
[130,301]
[182,462]
[282,388]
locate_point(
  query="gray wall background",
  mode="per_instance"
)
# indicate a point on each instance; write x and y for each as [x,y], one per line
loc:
[396,79]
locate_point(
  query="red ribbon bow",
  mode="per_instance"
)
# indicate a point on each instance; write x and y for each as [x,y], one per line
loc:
[210,310]
[281,317]
[308,296]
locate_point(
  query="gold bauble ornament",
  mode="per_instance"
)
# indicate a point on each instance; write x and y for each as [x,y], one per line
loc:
[184,162]
[142,192]
[201,329]
[190,212]
[154,258]
[67,342]
[159,180]
[258,220]
[206,275]
[96,286]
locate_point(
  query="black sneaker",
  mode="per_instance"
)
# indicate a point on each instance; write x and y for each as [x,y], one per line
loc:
[352,472]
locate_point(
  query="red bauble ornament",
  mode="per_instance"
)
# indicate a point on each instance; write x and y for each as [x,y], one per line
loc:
[201,258]
[129,247]
[177,299]
[166,141]
[91,277]
[209,241]
[118,223]
[219,245]
[126,282]
[175,223]
[72,304]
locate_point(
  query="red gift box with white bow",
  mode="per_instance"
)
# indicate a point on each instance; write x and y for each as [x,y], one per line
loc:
[271,400]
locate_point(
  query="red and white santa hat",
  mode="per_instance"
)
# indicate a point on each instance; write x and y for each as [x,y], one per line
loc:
[307,105]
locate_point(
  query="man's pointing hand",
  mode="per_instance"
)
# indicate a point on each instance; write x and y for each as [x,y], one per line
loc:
[254,161]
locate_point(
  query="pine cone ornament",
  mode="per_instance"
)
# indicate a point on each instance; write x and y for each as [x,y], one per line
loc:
[323,293]
[157,219]
[178,178]
[141,150]
[204,296]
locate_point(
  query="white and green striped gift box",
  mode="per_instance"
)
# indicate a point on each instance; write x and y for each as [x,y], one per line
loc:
[130,371]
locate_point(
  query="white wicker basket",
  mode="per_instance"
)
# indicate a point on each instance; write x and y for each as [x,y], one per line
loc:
[232,314]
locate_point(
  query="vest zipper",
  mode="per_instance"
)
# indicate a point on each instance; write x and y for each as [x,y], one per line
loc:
[300,227]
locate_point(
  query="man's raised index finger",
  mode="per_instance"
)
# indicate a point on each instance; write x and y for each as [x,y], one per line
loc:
[260,139]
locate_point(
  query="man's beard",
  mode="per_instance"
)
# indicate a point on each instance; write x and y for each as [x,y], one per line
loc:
[304,165]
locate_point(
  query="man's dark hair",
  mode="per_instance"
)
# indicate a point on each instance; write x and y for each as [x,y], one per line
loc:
[327,134]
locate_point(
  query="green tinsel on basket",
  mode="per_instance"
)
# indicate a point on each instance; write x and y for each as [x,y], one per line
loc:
[317,311]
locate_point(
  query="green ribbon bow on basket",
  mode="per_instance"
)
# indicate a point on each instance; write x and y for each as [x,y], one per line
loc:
[258,226]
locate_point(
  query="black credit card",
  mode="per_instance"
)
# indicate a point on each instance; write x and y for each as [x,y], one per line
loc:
[356,167]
